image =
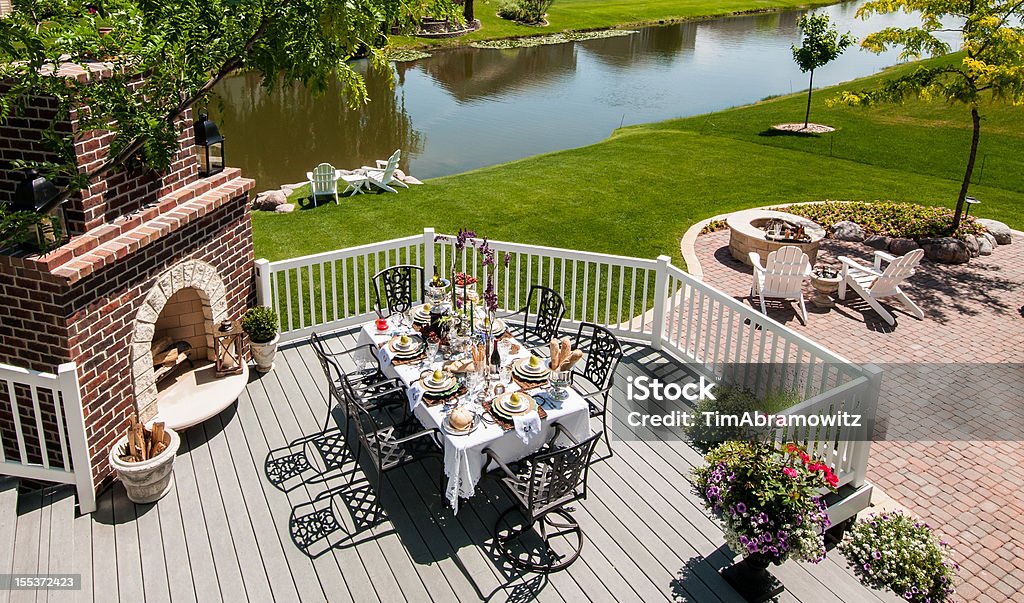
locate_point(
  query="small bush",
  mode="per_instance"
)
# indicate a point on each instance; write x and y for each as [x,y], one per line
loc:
[734,401]
[888,218]
[527,11]
[260,323]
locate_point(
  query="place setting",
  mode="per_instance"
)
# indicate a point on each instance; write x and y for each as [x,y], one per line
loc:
[405,349]
[440,387]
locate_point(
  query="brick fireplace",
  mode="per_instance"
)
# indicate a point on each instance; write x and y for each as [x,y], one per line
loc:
[152,258]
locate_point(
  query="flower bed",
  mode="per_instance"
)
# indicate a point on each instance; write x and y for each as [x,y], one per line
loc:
[888,218]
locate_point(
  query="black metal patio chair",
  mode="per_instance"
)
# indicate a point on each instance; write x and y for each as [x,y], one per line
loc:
[596,379]
[371,387]
[542,486]
[550,309]
[397,289]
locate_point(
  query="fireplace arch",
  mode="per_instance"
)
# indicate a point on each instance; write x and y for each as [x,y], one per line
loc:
[202,278]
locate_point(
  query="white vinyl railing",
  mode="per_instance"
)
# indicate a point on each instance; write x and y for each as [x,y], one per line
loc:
[640,299]
[44,411]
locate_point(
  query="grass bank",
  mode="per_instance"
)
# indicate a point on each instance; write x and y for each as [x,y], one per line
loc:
[638,191]
[577,15]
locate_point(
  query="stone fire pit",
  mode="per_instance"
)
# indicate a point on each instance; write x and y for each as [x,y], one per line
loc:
[747,234]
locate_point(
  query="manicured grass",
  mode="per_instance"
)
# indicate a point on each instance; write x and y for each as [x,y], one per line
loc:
[601,14]
[637,192]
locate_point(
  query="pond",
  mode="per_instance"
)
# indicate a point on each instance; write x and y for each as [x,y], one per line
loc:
[468,108]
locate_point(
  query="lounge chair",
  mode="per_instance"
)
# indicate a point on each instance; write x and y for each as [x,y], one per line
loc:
[781,277]
[873,283]
[383,176]
[323,180]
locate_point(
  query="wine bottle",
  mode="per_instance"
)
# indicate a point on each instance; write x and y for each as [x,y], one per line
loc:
[495,356]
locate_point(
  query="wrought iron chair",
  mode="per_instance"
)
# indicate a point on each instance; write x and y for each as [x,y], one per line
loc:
[389,446]
[597,377]
[550,311]
[397,289]
[542,487]
[371,386]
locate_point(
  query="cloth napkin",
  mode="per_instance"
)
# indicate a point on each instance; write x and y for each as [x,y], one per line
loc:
[527,426]
[415,393]
[384,355]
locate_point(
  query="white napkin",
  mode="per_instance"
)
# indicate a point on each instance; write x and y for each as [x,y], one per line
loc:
[415,392]
[384,355]
[527,426]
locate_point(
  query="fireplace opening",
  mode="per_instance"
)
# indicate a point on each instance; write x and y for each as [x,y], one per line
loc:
[180,336]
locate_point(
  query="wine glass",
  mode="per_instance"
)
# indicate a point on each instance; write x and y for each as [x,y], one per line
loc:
[432,348]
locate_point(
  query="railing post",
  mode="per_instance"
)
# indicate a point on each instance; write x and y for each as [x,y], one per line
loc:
[660,295]
[262,268]
[81,464]
[428,251]
[863,444]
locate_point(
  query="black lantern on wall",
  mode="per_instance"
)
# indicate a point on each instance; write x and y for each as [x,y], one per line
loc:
[31,195]
[211,146]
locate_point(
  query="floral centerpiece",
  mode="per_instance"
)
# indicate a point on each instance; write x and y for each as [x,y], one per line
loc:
[894,551]
[769,499]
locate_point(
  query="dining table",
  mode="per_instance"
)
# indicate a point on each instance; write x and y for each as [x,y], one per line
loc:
[465,459]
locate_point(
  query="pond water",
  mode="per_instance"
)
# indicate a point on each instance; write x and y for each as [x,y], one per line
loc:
[467,108]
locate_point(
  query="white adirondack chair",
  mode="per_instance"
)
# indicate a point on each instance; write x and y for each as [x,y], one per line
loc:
[781,277]
[323,180]
[873,283]
[383,176]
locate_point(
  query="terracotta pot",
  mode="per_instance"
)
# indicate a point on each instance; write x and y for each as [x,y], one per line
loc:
[150,480]
[263,354]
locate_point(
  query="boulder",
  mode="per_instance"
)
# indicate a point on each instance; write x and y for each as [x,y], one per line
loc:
[900,247]
[946,250]
[847,231]
[988,237]
[997,229]
[984,246]
[288,189]
[285,208]
[270,200]
[972,245]
[878,242]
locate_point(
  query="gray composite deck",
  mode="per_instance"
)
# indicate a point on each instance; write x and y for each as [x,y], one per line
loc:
[223,532]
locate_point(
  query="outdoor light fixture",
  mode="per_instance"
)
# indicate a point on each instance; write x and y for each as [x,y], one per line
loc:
[32,195]
[227,348]
[969,201]
[211,146]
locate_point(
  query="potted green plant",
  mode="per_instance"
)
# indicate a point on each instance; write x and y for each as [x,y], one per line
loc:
[769,500]
[898,552]
[260,324]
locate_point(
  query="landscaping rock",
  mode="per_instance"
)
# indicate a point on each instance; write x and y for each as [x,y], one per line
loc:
[878,242]
[984,246]
[997,229]
[946,250]
[972,245]
[288,189]
[847,231]
[987,236]
[900,247]
[285,208]
[270,200]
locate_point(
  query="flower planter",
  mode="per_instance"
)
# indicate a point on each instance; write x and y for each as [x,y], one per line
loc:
[263,354]
[150,480]
[824,287]
[752,580]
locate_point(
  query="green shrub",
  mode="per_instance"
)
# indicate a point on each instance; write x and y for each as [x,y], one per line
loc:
[527,11]
[260,323]
[734,401]
[888,218]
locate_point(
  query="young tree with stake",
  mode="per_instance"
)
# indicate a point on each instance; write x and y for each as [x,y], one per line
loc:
[821,45]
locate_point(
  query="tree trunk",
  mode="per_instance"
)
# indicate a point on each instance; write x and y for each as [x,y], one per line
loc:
[976,119]
[467,11]
[810,86]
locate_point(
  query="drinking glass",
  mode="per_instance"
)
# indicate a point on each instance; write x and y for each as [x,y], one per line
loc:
[432,348]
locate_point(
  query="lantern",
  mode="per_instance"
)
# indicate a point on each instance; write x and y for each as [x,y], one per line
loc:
[227,348]
[969,201]
[211,147]
[32,194]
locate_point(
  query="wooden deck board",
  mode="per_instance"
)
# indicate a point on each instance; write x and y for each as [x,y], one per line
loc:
[223,533]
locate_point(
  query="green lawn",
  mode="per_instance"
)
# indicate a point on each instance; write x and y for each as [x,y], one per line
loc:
[637,192]
[601,14]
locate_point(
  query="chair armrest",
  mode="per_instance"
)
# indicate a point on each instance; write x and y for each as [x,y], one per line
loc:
[494,457]
[854,264]
[371,169]
[366,346]
[755,261]
[562,431]
[601,392]
[381,164]
[417,435]
[881,256]
[309,176]
[385,392]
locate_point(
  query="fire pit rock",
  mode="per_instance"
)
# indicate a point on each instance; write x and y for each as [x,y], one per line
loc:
[747,233]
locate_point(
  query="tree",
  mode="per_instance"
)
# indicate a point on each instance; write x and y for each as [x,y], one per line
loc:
[992,66]
[183,48]
[821,45]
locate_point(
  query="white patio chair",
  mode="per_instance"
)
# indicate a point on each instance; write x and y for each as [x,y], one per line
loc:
[781,277]
[873,283]
[383,176]
[323,180]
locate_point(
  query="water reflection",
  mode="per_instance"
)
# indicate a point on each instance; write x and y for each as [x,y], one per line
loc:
[467,108]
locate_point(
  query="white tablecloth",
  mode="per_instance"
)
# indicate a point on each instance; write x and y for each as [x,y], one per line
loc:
[464,459]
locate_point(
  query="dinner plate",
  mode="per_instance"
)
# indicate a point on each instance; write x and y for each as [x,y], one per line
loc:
[523,367]
[444,384]
[498,327]
[503,407]
[447,427]
[414,344]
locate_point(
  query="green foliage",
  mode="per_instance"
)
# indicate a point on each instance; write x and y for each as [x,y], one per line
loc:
[821,43]
[894,551]
[260,323]
[526,11]
[734,401]
[905,220]
[28,229]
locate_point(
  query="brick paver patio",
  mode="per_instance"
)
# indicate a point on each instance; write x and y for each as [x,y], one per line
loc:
[970,484]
